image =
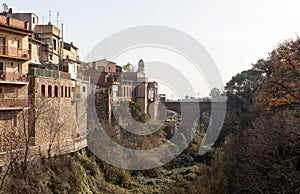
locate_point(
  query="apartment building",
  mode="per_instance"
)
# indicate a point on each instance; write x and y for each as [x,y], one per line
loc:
[14,59]
[52,90]
[49,35]
[80,84]
[112,84]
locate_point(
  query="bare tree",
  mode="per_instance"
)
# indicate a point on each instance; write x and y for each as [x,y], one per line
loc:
[55,126]
[18,135]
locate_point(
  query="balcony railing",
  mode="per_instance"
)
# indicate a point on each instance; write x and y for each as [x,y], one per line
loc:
[13,77]
[15,52]
[83,77]
[49,73]
[64,75]
[16,103]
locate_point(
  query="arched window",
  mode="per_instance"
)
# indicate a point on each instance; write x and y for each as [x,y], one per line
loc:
[62,91]
[49,91]
[66,91]
[43,90]
[56,91]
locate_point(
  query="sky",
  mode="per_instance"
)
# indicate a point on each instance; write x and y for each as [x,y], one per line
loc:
[236,33]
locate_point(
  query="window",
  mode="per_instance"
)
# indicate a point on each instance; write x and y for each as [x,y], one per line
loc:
[54,44]
[9,90]
[1,66]
[29,48]
[19,68]
[49,91]
[69,92]
[15,120]
[19,43]
[66,91]
[50,57]
[56,91]
[83,89]
[1,93]
[33,20]
[43,90]
[62,91]
[2,45]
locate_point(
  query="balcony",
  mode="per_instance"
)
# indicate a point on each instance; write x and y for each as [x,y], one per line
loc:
[14,104]
[82,77]
[49,73]
[14,52]
[13,78]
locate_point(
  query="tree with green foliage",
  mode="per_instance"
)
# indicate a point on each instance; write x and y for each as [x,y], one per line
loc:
[215,93]
[265,114]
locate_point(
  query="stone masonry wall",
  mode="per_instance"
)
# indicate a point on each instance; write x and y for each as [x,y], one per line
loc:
[56,116]
[80,109]
[103,106]
[11,129]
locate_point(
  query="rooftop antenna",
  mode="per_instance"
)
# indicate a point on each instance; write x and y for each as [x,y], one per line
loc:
[49,17]
[57,19]
[62,46]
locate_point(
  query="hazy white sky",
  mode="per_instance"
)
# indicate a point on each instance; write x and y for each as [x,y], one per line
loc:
[236,33]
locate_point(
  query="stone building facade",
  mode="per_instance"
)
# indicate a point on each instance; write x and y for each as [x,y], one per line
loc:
[55,120]
[38,101]
[80,84]
[123,86]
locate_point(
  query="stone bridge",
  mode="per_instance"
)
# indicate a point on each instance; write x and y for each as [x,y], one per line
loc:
[194,107]
[192,112]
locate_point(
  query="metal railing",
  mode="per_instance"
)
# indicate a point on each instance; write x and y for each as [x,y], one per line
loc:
[49,73]
[12,51]
[83,77]
[14,103]
[13,77]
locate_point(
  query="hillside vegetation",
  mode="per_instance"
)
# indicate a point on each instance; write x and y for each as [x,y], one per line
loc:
[258,150]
